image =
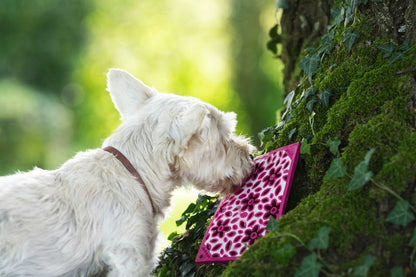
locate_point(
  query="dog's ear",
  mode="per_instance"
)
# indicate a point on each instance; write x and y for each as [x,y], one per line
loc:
[187,124]
[127,92]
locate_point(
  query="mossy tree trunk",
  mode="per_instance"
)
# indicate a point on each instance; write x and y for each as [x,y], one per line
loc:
[354,86]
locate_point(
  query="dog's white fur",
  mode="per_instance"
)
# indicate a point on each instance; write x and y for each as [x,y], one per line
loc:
[91,213]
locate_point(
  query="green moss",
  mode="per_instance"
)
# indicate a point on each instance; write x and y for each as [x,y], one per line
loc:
[371,107]
[381,132]
[400,170]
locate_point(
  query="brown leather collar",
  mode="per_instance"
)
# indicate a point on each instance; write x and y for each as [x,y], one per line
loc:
[131,169]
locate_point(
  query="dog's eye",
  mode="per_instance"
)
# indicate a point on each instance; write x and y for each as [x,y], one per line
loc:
[251,156]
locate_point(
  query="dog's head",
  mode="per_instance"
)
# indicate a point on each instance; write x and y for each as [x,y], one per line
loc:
[194,139]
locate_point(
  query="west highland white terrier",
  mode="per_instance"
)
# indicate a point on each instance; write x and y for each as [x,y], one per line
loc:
[101,208]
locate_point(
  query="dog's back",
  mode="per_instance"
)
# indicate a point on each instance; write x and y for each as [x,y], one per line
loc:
[35,217]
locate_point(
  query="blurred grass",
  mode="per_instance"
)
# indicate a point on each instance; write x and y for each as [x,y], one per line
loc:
[181,198]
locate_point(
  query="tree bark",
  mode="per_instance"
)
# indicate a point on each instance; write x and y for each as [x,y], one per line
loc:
[302,23]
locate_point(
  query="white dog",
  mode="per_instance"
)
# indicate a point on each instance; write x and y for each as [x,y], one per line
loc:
[95,211]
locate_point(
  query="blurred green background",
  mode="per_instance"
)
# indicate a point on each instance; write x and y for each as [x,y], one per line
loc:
[54,55]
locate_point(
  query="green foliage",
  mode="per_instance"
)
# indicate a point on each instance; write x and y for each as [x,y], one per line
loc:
[28,128]
[305,147]
[310,64]
[282,4]
[40,43]
[311,104]
[272,225]
[386,49]
[396,57]
[179,258]
[395,53]
[412,242]
[283,254]
[275,39]
[363,269]
[397,271]
[310,91]
[336,169]
[333,145]
[309,267]
[322,240]
[361,175]
[350,37]
[401,214]
[324,97]
[327,43]
[41,40]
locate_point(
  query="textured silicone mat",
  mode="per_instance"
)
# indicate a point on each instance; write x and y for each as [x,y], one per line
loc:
[242,217]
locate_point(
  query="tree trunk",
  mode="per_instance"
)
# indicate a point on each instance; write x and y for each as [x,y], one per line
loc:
[352,68]
[302,23]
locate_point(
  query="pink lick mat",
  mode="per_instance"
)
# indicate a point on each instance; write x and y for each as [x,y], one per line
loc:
[243,216]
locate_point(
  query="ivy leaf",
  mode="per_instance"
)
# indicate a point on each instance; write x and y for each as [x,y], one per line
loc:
[361,175]
[324,97]
[275,39]
[310,267]
[273,224]
[412,242]
[284,254]
[350,37]
[321,241]
[386,49]
[338,15]
[272,46]
[310,104]
[349,15]
[282,4]
[180,221]
[310,50]
[327,45]
[336,170]
[396,57]
[362,270]
[289,98]
[190,209]
[186,268]
[310,64]
[333,145]
[266,135]
[305,147]
[368,156]
[401,215]
[309,91]
[397,271]
[311,121]
[354,3]
[292,132]
[273,31]
[404,47]
[172,235]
